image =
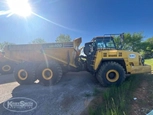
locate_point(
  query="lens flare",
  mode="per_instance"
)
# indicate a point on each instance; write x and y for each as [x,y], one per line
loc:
[19,7]
[23,8]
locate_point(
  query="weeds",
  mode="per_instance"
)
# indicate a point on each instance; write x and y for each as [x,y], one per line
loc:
[115,99]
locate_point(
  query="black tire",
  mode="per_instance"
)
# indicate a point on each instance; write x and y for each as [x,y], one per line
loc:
[111,73]
[64,70]
[24,73]
[7,67]
[64,73]
[49,74]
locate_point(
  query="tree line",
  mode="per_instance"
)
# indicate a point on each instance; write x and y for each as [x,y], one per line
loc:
[60,38]
[132,42]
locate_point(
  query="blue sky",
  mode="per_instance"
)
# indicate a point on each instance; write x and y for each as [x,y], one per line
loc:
[80,18]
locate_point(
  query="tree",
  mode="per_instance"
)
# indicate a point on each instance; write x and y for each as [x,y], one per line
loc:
[147,48]
[131,41]
[3,44]
[63,38]
[38,41]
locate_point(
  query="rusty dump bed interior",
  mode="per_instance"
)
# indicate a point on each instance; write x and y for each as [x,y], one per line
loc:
[61,52]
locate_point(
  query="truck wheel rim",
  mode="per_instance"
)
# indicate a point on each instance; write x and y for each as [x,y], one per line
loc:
[112,75]
[47,74]
[22,74]
[6,68]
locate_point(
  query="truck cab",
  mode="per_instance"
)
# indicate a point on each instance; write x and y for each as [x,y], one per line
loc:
[97,44]
[109,64]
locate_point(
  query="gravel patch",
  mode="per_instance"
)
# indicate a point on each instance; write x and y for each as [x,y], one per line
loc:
[69,97]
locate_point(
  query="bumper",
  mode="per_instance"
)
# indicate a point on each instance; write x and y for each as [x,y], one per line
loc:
[140,69]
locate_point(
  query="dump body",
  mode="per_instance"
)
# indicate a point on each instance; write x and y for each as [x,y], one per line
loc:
[46,62]
[64,53]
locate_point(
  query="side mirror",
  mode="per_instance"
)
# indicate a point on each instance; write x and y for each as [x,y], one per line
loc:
[122,37]
[87,49]
[121,40]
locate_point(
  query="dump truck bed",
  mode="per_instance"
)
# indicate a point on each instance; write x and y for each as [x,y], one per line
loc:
[64,53]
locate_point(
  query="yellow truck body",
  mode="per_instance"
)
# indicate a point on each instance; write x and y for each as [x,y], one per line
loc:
[49,61]
[133,60]
[44,52]
[46,62]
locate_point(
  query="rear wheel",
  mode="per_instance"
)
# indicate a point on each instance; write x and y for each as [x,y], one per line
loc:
[49,74]
[111,73]
[24,73]
[7,67]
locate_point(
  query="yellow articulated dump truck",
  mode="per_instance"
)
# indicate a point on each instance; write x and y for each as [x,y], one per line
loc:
[6,65]
[48,62]
[45,62]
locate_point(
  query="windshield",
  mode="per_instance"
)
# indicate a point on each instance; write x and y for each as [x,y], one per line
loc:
[105,43]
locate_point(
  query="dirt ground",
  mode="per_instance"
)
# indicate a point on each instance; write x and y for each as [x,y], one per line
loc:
[69,97]
[143,97]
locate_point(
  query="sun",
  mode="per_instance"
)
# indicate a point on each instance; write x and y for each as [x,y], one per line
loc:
[19,7]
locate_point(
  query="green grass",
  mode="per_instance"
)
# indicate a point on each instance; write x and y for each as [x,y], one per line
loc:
[149,62]
[116,99]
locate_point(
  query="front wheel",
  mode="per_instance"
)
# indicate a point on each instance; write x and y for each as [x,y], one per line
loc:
[111,73]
